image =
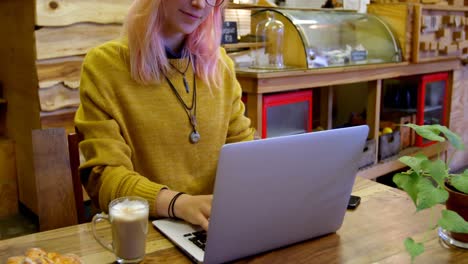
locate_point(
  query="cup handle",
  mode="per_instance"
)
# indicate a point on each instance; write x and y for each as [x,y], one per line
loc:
[98,218]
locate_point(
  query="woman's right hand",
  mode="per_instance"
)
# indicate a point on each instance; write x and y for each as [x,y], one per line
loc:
[195,209]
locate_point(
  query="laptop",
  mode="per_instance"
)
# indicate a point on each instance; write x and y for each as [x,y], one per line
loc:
[274,192]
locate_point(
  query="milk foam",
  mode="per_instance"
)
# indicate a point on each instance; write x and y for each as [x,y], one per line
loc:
[129,210]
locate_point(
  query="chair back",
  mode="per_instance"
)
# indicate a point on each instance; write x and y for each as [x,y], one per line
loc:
[59,189]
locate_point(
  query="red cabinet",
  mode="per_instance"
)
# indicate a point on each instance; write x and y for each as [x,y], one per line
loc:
[432,102]
[424,97]
[287,113]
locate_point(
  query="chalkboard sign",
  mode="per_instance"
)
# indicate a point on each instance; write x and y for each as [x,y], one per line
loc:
[229,32]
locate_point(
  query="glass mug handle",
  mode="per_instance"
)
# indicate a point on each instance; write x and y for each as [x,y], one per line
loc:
[98,218]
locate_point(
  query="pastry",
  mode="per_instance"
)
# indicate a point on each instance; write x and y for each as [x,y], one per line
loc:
[39,256]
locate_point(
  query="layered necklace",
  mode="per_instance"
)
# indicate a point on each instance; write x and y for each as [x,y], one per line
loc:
[186,85]
[191,111]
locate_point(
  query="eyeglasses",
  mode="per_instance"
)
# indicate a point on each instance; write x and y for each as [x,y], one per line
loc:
[214,2]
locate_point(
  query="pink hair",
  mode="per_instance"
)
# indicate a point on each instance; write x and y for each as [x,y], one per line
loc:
[148,60]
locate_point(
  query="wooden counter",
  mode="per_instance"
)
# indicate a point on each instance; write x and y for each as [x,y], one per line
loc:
[374,232]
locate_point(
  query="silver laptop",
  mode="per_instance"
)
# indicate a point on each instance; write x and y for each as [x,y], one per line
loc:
[274,192]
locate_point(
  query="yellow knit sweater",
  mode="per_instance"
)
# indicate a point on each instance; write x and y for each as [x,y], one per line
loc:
[137,136]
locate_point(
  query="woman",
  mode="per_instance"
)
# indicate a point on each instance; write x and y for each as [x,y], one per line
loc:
[157,106]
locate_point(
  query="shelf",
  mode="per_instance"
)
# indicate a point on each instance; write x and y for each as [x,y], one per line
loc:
[445,8]
[392,164]
[413,110]
[3,101]
[242,45]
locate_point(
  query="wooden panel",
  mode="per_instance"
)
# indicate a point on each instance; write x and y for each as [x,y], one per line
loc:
[19,78]
[254,110]
[373,110]
[459,116]
[58,96]
[53,71]
[59,118]
[326,107]
[8,182]
[399,18]
[56,202]
[67,12]
[267,82]
[73,40]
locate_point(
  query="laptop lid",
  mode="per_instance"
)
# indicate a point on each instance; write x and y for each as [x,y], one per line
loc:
[278,191]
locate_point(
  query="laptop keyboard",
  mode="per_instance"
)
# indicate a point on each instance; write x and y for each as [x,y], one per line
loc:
[198,238]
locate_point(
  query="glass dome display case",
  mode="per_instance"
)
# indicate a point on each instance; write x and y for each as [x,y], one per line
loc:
[331,38]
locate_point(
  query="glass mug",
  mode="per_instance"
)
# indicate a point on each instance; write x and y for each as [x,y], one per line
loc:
[128,217]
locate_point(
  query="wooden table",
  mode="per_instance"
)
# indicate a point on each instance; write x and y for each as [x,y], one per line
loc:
[374,232]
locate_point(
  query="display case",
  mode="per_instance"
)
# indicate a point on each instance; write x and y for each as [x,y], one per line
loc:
[330,38]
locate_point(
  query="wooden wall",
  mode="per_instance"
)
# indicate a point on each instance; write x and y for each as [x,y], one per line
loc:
[459,115]
[65,31]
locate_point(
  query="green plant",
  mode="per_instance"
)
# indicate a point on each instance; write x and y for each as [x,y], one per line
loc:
[424,183]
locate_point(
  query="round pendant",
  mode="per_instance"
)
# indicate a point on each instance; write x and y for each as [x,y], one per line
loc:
[194,137]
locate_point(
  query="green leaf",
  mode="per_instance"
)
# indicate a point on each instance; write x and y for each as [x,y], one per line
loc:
[453,138]
[452,221]
[460,182]
[430,132]
[436,169]
[413,248]
[408,182]
[428,195]
[413,162]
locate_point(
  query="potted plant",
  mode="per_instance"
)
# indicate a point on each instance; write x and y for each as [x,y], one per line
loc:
[430,182]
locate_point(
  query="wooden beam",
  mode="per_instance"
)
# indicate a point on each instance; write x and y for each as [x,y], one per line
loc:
[54,71]
[58,96]
[8,179]
[67,12]
[326,107]
[19,79]
[73,40]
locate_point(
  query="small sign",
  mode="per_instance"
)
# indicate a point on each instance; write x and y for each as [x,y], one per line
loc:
[358,55]
[229,32]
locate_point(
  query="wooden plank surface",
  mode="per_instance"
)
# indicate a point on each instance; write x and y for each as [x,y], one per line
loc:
[73,40]
[58,96]
[56,202]
[54,71]
[67,12]
[8,180]
[59,118]
[373,233]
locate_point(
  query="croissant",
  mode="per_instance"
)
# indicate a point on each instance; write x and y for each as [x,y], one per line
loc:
[39,256]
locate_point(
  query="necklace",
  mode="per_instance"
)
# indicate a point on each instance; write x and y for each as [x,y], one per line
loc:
[183,73]
[191,111]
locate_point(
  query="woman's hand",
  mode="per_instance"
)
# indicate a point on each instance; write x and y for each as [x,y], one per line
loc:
[195,209]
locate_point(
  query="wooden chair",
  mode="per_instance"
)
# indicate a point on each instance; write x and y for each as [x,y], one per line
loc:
[58,185]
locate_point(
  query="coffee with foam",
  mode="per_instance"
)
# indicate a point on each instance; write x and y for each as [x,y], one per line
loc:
[129,223]
[129,218]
